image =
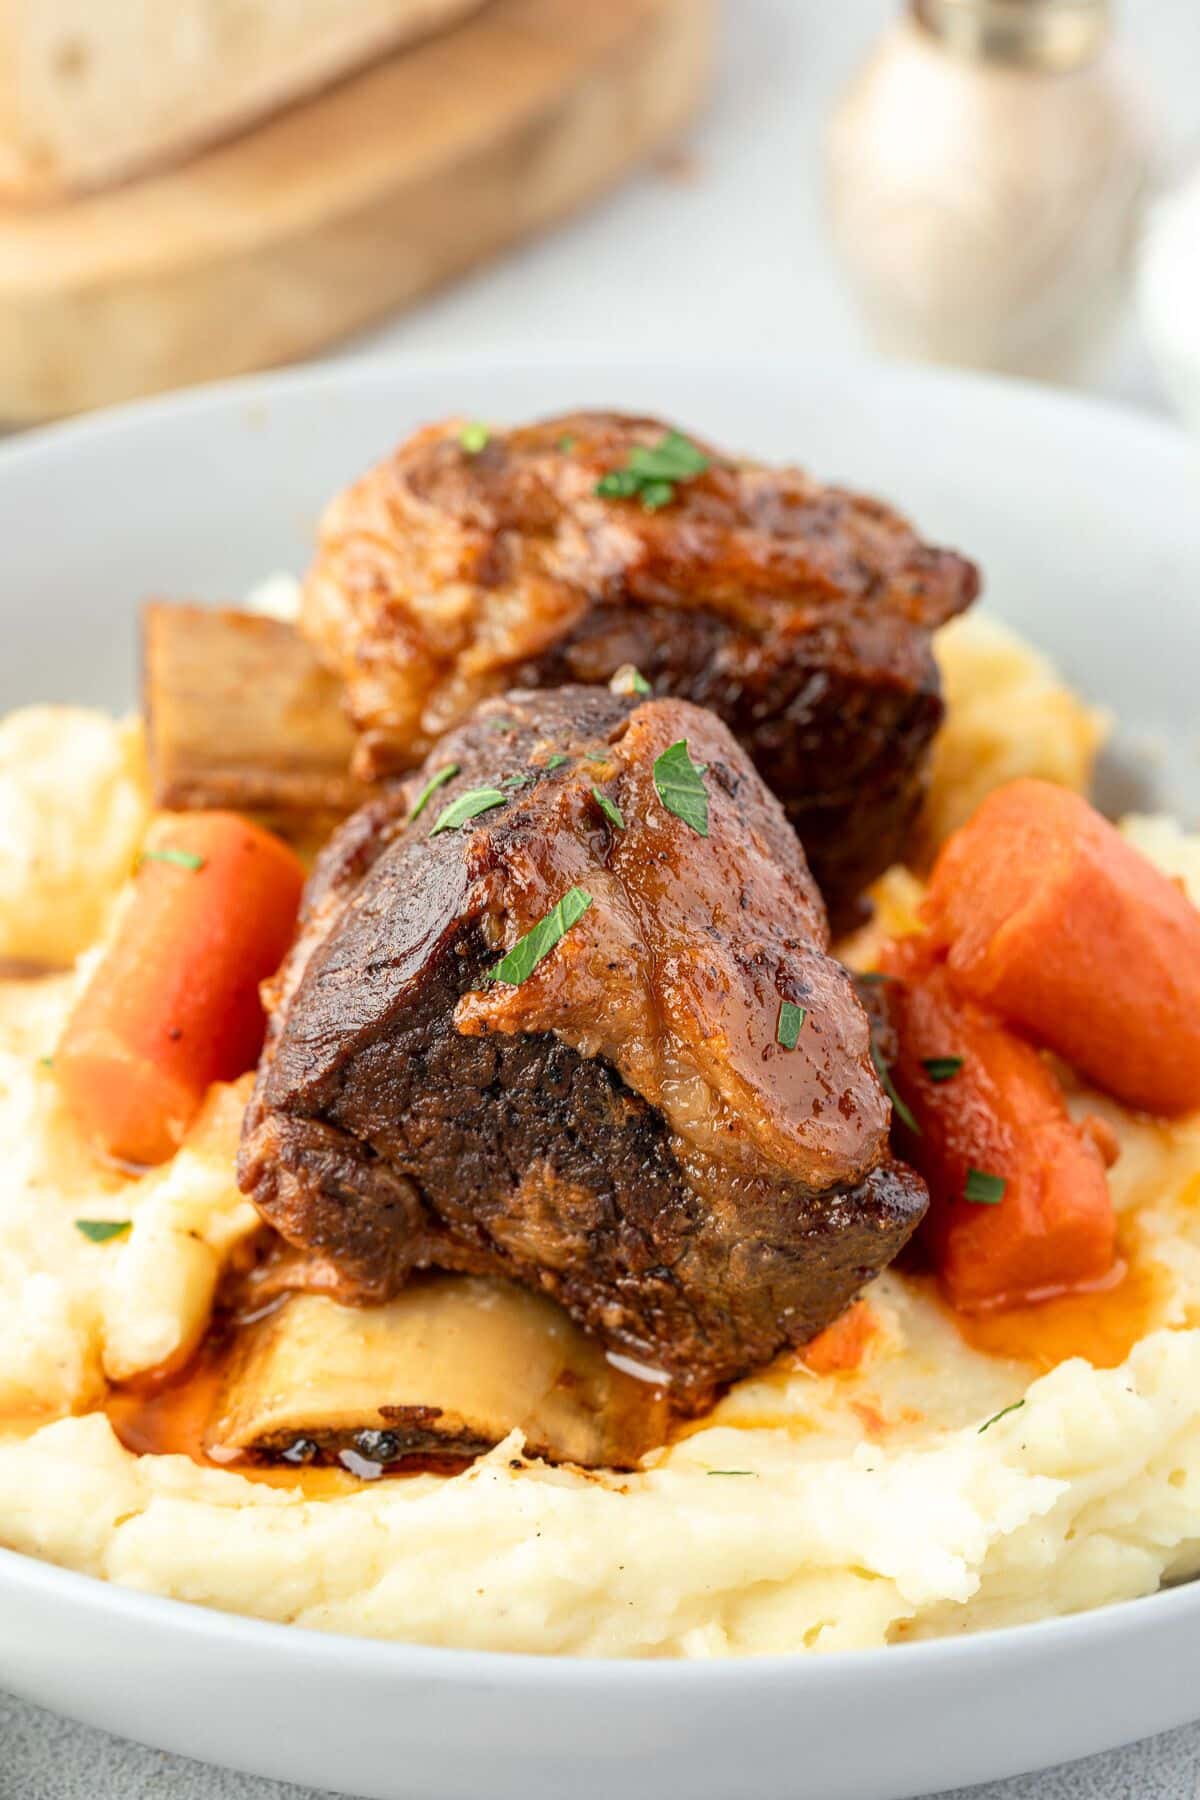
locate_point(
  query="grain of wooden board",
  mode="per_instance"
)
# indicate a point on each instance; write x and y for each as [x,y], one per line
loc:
[344,207]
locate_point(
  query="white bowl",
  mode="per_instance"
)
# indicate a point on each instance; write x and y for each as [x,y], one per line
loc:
[1088,524]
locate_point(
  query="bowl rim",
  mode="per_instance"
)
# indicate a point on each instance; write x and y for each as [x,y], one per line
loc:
[1158,432]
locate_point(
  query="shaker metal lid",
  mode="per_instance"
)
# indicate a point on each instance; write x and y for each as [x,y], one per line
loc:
[1044,34]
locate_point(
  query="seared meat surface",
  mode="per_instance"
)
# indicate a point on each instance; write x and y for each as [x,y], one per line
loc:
[622,1128]
[800,614]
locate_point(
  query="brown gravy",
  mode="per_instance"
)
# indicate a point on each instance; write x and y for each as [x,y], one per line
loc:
[170,1415]
[1102,1325]
[229,1393]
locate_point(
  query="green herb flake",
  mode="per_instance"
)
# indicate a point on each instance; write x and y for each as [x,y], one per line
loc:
[504,725]
[618,484]
[629,680]
[555,762]
[753,1472]
[1002,1414]
[942,1068]
[983,1189]
[681,787]
[474,438]
[657,494]
[610,809]
[468,806]
[530,950]
[47,1062]
[902,1112]
[653,472]
[430,789]
[676,458]
[567,443]
[182,859]
[102,1231]
[791,1018]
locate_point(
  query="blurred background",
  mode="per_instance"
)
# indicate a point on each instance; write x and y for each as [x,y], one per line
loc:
[191,190]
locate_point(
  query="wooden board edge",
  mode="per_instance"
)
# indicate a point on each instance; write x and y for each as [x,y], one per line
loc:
[104,335]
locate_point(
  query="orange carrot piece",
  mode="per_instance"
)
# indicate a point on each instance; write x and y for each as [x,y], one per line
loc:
[174,1004]
[1052,919]
[1019,1201]
[840,1348]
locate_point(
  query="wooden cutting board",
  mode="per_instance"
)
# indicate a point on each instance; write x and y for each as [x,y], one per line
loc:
[345,207]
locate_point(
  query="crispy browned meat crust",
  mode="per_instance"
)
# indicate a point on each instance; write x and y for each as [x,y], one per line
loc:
[622,1130]
[800,614]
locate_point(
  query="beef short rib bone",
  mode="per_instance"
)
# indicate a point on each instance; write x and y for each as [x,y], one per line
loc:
[448,1368]
[240,713]
[801,614]
[622,1129]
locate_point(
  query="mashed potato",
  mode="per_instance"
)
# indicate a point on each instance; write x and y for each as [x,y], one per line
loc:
[73,808]
[949,1482]
[1008,715]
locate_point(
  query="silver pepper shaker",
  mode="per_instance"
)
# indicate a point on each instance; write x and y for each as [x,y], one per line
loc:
[985,175]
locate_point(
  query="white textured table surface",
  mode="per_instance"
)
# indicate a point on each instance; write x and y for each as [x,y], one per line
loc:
[45,1758]
[733,256]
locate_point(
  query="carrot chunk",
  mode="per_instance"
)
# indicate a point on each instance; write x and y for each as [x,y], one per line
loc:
[841,1347]
[174,1005]
[1019,1200]
[1051,918]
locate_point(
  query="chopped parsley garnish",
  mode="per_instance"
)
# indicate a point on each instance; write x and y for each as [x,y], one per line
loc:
[942,1068]
[791,1018]
[730,1471]
[511,783]
[182,859]
[681,786]
[983,1189]
[474,438]
[430,789]
[555,762]
[503,725]
[1002,1414]
[47,1062]
[468,806]
[654,471]
[676,458]
[656,495]
[102,1231]
[610,809]
[619,484]
[903,1113]
[567,442]
[629,680]
[530,950]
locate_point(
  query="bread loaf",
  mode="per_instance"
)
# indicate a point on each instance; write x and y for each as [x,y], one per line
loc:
[92,91]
